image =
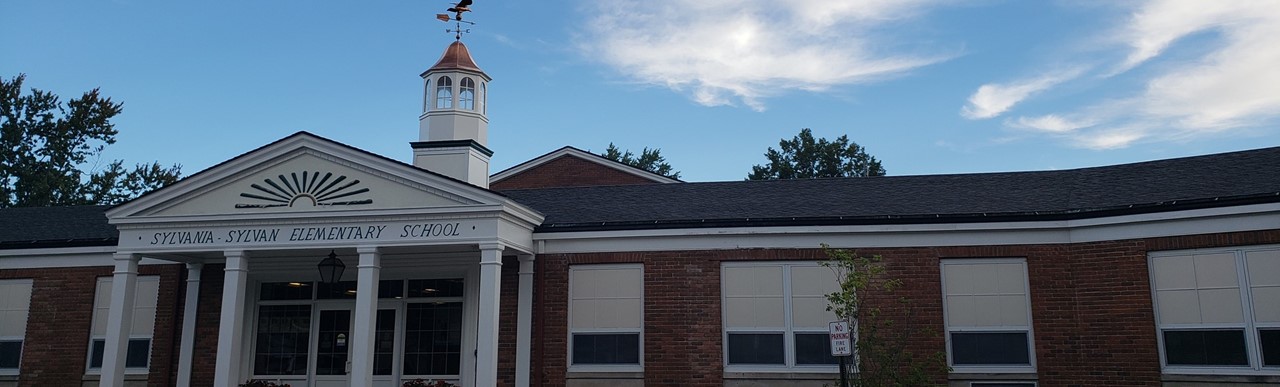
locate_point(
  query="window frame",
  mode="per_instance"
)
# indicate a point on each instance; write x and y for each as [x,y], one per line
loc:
[788,330]
[444,84]
[986,383]
[400,357]
[93,338]
[467,94]
[1031,366]
[1249,325]
[398,302]
[427,95]
[252,349]
[569,340]
[21,340]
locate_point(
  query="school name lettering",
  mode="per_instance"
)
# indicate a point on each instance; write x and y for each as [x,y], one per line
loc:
[430,230]
[182,238]
[335,233]
[304,234]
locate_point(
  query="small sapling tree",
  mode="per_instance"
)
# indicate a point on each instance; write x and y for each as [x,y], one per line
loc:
[881,346]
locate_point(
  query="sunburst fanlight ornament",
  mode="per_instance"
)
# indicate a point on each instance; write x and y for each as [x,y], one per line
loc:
[303,189]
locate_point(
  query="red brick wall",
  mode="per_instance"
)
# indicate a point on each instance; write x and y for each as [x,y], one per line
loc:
[168,328]
[56,346]
[551,321]
[507,327]
[682,323]
[208,312]
[1091,311]
[1092,314]
[568,171]
[921,274]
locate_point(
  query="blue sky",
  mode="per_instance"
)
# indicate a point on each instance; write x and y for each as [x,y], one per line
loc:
[926,86]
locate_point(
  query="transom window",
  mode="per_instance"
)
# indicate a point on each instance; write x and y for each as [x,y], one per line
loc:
[1218,310]
[775,315]
[987,314]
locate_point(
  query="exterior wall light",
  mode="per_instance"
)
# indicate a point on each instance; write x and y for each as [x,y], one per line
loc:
[331,269]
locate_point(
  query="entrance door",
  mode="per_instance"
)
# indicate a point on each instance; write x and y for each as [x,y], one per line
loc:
[333,348]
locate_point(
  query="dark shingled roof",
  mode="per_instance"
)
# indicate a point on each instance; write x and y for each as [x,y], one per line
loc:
[1166,185]
[1219,180]
[37,227]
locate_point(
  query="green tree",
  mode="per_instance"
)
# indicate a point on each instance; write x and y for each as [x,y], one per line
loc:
[881,343]
[650,160]
[44,144]
[803,157]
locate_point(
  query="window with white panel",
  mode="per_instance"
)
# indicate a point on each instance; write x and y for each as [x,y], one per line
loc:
[15,305]
[775,315]
[1218,310]
[138,353]
[987,314]
[606,315]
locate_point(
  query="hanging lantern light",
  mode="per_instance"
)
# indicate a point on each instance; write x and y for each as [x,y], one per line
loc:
[331,268]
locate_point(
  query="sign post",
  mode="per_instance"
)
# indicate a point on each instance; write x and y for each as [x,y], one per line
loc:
[841,346]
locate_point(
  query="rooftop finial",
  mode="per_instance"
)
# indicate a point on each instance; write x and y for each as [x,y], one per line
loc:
[457,9]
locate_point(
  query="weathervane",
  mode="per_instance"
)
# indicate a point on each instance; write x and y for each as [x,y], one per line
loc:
[458,8]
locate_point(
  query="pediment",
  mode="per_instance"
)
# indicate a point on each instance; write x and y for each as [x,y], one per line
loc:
[303,174]
[592,169]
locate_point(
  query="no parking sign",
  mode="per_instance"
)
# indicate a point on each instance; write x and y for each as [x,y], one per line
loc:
[841,339]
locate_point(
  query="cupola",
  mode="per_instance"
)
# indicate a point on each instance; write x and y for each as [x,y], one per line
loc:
[453,130]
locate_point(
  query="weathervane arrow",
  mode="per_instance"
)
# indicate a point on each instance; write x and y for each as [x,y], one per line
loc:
[457,9]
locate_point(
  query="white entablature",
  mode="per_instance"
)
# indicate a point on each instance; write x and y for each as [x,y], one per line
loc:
[305,190]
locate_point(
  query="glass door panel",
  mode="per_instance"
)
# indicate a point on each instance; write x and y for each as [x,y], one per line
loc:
[333,342]
[384,342]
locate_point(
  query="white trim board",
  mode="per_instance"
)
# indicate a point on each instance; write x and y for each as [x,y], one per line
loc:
[1177,223]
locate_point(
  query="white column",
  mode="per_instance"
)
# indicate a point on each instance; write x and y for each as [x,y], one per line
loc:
[487,327]
[362,334]
[187,347]
[226,371]
[524,321]
[124,282]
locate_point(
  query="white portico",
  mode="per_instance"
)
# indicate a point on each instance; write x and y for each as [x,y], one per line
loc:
[420,293]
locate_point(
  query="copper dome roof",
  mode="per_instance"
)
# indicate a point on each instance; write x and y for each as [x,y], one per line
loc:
[456,57]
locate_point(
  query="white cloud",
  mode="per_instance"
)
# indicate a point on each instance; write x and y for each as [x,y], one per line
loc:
[1230,87]
[724,51]
[992,99]
[1114,139]
[1157,24]
[1051,123]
